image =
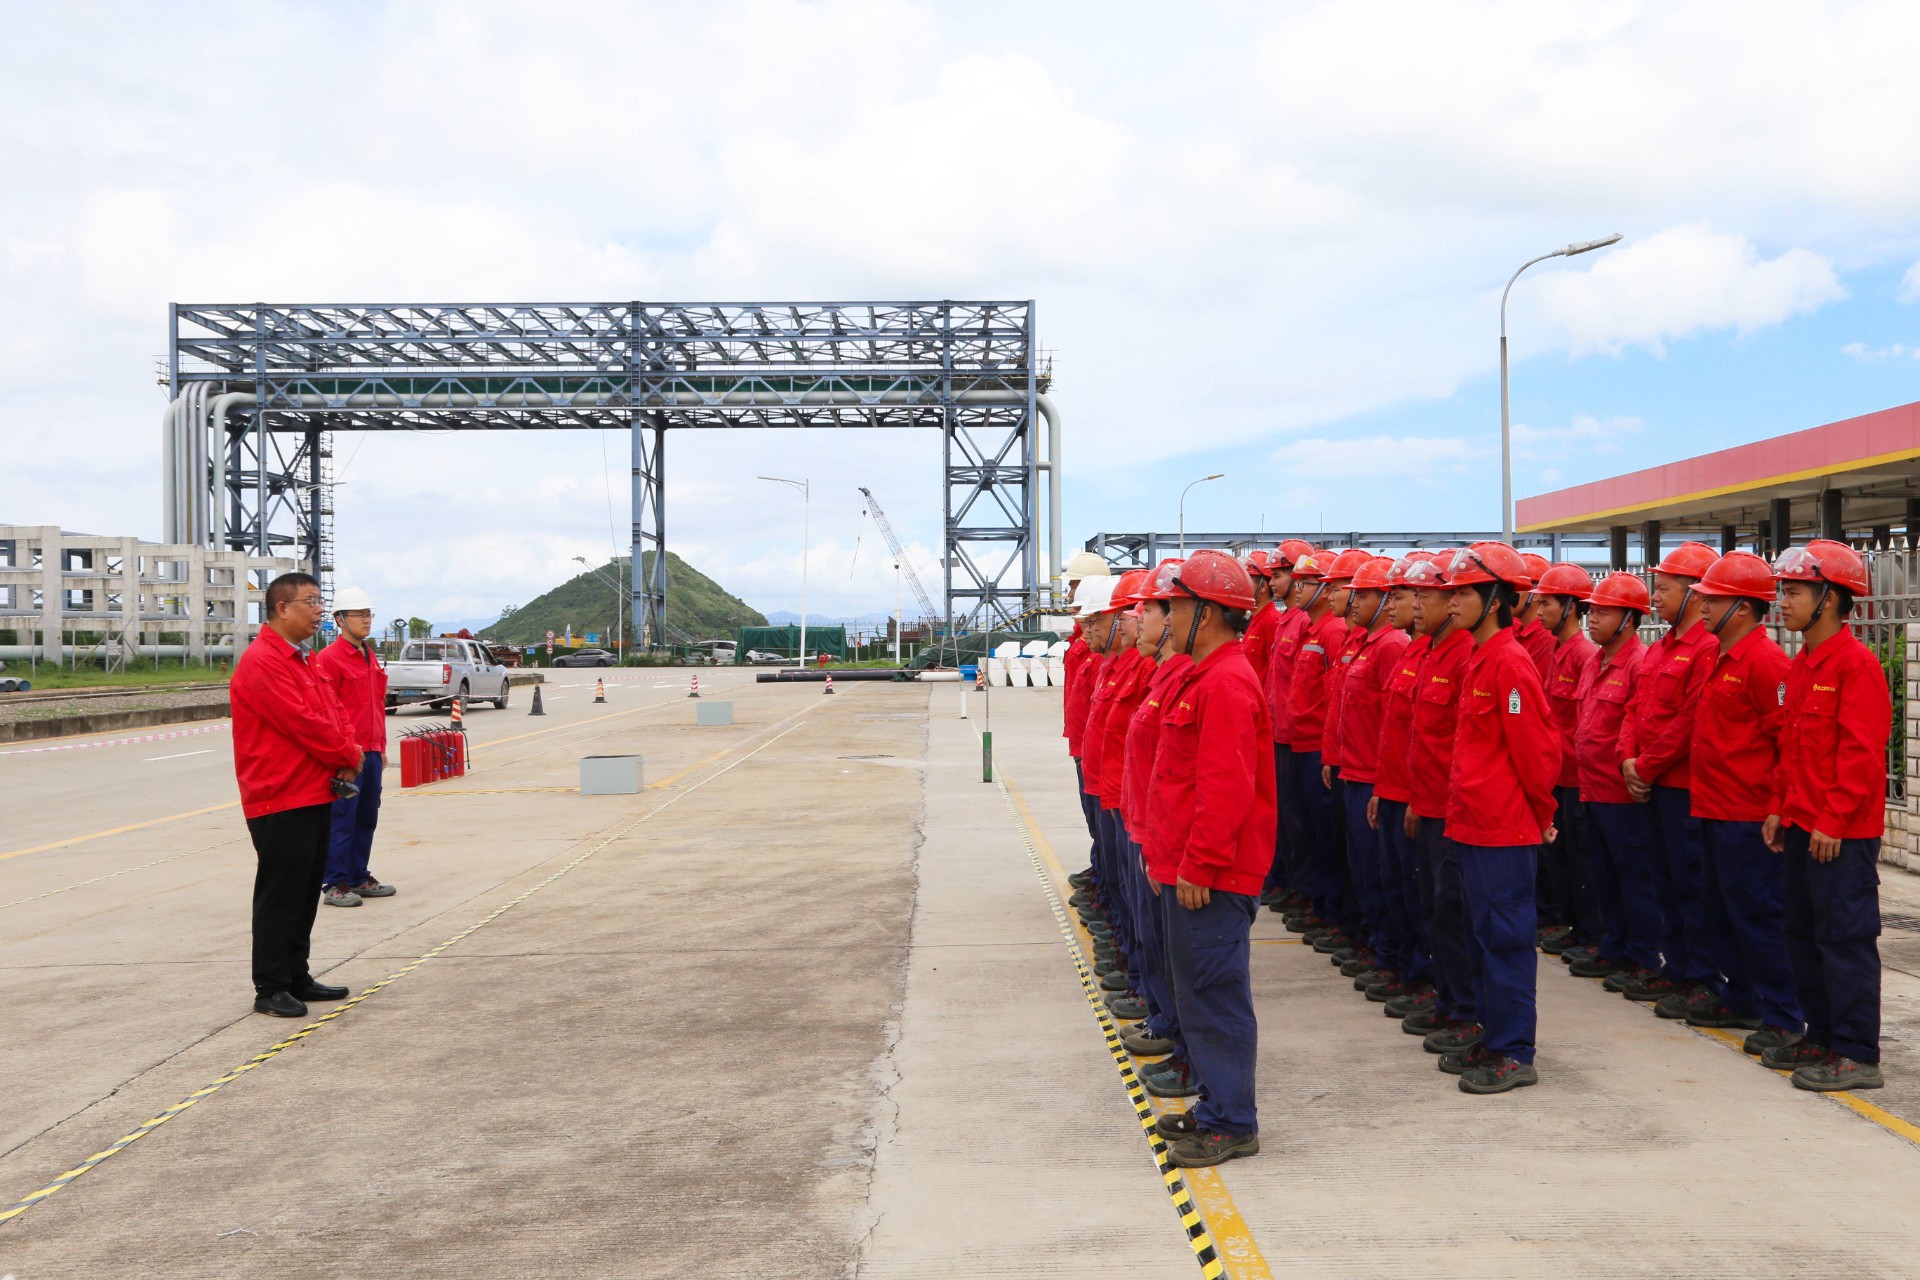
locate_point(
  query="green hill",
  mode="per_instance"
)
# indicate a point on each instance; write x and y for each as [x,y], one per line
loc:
[697,607]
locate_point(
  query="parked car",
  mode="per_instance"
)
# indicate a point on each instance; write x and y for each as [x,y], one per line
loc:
[435,672]
[761,658]
[584,658]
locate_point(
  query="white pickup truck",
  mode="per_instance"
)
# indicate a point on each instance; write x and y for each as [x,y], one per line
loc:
[435,672]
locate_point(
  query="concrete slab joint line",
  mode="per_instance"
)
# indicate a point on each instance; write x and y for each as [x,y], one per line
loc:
[98,1158]
[1205,1251]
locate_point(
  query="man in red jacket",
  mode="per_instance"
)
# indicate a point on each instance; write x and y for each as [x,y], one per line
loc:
[1829,812]
[1089,598]
[1286,888]
[1106,742]
[1655,744]
[1317,854]
[1393,789]
[359,686]
[1084,565]
[1530,627]
[1213,815]
[1506,757]
[1566,910]
[288,749]
[1260,627]
[1736,753]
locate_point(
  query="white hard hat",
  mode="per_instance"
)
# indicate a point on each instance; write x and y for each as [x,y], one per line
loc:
[348,599]
[1093,595]
[1085,564]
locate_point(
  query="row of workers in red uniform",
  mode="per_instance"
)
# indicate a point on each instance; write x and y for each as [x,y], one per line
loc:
[1461,773]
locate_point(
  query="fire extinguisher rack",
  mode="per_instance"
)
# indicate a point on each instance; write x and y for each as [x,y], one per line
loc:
[431,754]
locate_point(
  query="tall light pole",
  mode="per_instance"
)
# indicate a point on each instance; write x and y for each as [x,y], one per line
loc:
[1183,507]
[1506,426]
[898,612]
[806,503]
[619,601]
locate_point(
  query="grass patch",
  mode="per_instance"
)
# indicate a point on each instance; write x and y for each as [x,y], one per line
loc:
[140,672]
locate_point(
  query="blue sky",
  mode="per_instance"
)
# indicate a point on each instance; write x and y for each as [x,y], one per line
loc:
[1266,238]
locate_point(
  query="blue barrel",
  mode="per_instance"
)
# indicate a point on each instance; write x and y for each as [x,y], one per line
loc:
[970,673]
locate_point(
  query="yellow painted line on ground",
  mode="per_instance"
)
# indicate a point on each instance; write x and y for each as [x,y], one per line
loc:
[1214,1226]
[193,1099]
[118,831]
[1276,942]
[1853,1102]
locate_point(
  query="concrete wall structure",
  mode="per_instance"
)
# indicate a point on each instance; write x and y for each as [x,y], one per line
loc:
[56,585]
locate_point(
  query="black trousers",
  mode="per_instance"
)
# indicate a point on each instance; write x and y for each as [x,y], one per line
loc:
[291,848]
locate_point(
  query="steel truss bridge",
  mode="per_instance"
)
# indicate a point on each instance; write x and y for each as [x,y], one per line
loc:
[258,388]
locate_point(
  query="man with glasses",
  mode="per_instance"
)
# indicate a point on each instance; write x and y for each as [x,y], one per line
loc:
[359,686]
[289,749]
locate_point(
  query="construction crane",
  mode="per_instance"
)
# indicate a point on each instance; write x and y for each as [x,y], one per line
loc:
[899,555]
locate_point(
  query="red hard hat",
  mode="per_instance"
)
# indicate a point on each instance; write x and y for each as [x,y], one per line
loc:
[1537,565]
[1425,569]
[1397,576]
[1217,577]
[1565,580]
[1622,591]
[1313,565]
[1288,553]
[1374,574]
[1488,562]
[1738,573]
[1688,560]
[1255,563]
[1130,590]
[1824,560]
[1160,586]
[1346,564]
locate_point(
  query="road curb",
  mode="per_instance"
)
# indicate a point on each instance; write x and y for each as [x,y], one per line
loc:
[109,721]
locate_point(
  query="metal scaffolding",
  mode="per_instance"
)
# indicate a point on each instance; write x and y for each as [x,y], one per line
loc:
[258,387]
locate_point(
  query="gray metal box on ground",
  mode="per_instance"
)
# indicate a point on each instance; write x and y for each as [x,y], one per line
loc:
[715,713]
[610,775]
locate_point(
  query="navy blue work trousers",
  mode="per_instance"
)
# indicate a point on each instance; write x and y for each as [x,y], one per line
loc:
[1327,881]
[1400,865]
[1622,862]
[1369,876]
[1281,875]
[1746,922]
[1498,886]
[1207,963]
[1553,882]
[1090,810]
[1454,965]
[352,823]
[1680,878]
[1833,930]
[1582,905]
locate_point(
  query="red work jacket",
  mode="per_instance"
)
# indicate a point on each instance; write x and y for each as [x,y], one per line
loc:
[1093,738]
[1658,731]
[1259,637]
[1332,746]
[1070,667]
[1570,658]
[1436,701]
[1736,731]
[1363,701]
[1606,699]
[1539,644]
[1283,652]
[1143,736]
[1307,699]
[288,741]
[359,686]
[1396,721]
[1506,750]
[1131,674]
[1212,807]
[1833,742]
[1079,701]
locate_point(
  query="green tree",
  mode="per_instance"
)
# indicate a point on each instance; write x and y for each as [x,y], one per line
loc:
[419,628]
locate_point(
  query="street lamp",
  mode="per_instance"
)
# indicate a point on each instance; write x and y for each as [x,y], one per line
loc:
[1506,428]
[806,502]
[619,601]
[1183,507]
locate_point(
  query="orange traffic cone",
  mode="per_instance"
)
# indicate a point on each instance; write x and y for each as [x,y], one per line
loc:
[459,711]
[599,690]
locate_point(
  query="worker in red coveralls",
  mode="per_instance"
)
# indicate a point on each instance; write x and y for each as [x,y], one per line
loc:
[1506,758]
[353,672]
[1563,889]
[1828,816]
[1449,1024]
[1736,755]
[1084,565]
[1619,847]
[1212,812]
[1159,1032]
[1655,742]
[1316,714]
[1370,656]
[1099,904]
[1285,889]
[1259,637]
[1124,685]
[289,750]
[1315,852]
[1393,789]
[1530,627]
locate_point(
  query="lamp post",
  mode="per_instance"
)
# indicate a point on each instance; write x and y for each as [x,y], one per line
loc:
[619,602]
[898,613]
[806,503]
[1506,427]
[1183,507]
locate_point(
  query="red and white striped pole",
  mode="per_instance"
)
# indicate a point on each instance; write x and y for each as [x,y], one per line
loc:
[696,687]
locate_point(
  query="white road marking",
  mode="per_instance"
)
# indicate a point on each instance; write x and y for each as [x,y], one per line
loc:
[182,756]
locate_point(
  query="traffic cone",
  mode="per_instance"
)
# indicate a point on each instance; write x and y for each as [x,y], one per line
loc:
[829,688]
[696,688]
[599,690]
[538,710]
[459,712]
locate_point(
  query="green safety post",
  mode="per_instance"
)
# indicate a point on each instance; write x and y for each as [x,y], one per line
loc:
[986,756]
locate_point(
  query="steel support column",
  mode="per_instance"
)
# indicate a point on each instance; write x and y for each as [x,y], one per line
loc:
[649,497]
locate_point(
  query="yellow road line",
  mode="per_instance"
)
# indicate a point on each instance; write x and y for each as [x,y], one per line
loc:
[117,831]
[1213,1223]
[193,1099]
[1859,1106]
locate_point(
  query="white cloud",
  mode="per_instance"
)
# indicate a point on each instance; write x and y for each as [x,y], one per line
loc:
[1894,351]
[1679,282]
[1585,432]
[1910,284]
[1428,459]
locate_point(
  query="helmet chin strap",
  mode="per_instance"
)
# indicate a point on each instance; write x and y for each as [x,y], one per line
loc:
[1318,589]
[1618,628]
[1725,618]
[1378,610]
[1486,602]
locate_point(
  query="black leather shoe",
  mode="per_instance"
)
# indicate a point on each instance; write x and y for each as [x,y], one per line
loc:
[280,1004]
[320,991]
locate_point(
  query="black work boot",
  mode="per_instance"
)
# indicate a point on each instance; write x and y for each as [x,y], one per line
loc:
[1838,1073]
[1424,1022]
[1618,981]
[1456,1036]
[1595,966]
[1676,1006]
[1127,1007]
[1769,1038]
[1207,1148]
[1497,1074]
[1142,1043]
[1416,1000]
[1712,1013]
[1176,1083]
[1652,989]
[1791,1057]
[1461,1060]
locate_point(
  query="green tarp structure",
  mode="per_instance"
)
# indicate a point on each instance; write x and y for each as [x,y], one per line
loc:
[967,650]
[831,641]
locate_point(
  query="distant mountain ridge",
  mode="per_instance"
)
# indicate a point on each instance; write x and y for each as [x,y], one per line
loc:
[698,608]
